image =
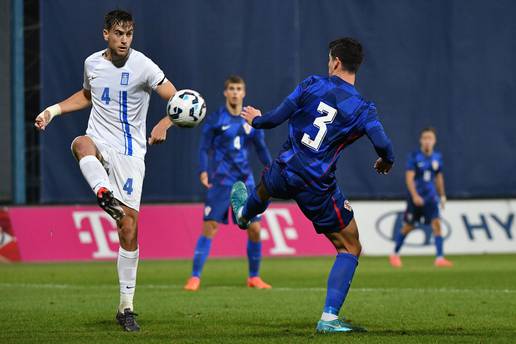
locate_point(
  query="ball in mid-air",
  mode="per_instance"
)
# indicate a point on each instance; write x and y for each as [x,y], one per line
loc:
[186,108]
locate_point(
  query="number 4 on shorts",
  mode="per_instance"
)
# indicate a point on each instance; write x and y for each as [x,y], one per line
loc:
[128,186]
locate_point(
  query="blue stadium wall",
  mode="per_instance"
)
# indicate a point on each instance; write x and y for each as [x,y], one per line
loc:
[449,64]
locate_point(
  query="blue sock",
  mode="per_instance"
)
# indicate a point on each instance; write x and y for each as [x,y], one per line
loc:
[254,256]
[339,282]
[439,245]
[254,206]
[400,239]
[202,251]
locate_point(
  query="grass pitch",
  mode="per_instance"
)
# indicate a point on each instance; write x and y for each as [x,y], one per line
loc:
[474,302]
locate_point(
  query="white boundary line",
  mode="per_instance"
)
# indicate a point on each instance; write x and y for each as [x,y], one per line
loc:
[279,289]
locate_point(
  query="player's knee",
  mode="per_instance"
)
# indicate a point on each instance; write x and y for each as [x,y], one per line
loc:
[407,229]
[436,227]
[253,232]
[127,228]
[210,229]
[82,146]
[355,248]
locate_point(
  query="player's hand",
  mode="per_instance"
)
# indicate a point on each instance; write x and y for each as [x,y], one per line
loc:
[158,134]
[204,179]
[442,203]
[42,120]
[382,167]
[249,113]
[418,201]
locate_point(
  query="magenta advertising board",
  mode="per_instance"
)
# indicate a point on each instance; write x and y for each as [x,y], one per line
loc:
[71,233]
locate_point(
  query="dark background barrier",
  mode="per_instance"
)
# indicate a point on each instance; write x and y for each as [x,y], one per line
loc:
[5,101]
[449,64]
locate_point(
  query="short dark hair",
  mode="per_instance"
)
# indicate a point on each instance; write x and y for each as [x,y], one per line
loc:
[428,129]
[349,51]
[117,17]
[233,79]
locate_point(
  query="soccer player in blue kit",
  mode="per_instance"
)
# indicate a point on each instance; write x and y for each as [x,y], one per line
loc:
[227,137]
[325,114]
[425,183]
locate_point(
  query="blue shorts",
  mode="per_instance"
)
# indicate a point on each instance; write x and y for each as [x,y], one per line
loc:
[329,211]
[425,214]
[217,203]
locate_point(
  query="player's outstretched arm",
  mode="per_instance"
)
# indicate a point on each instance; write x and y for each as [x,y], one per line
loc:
[271,119]
[78,101]
[159,133]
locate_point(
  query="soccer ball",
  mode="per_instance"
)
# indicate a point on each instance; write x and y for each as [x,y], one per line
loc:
[186,108]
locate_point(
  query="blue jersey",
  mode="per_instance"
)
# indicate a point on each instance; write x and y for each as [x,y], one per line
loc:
[426,167]
[226,138]
[326,114]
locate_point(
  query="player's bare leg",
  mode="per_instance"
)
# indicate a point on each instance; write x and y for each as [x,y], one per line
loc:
[89,158]
[440,261]
[348,247]
[395,258]
[254,256]
[127,266]
[202,251]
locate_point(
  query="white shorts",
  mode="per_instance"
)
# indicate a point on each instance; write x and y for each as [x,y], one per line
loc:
[125,173]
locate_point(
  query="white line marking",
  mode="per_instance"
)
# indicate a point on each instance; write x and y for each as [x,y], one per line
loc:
[279,289]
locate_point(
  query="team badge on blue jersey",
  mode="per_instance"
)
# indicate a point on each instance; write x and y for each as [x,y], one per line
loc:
[125,79]
[435,165]
[247,128]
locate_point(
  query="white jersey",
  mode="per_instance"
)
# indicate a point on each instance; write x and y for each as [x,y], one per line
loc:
[120,100]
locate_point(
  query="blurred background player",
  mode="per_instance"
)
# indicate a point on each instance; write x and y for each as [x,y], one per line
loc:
[425,184]
[117,85]
[325,114]
[227,137]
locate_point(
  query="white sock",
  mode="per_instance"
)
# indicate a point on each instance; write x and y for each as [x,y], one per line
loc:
[94,173]
[127,265]
[328,317]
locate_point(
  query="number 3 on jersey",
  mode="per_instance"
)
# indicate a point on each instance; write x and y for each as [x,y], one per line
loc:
[320,122]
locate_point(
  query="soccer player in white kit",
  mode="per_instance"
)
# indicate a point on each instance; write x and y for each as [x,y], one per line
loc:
[117,85]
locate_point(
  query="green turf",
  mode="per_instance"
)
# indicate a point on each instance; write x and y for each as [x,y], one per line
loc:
[474,302]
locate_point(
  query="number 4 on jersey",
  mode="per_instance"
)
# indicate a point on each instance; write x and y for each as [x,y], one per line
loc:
[105,96]
[320,122]
[128,186]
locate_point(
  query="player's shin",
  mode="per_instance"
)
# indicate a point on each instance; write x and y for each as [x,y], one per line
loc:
[254,206]
[127,265]
[339,282]
[254,257]
[399,239]
[438,246]
[94,173]
[202,251]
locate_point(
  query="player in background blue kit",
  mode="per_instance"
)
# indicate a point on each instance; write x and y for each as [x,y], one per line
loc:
[325,114]
[227,137]
[425,184]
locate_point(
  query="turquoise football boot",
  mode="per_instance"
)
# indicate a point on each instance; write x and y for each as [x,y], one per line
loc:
[238,199]
[337,325]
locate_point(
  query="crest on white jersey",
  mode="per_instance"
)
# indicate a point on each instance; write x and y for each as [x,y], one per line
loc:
[124,80]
